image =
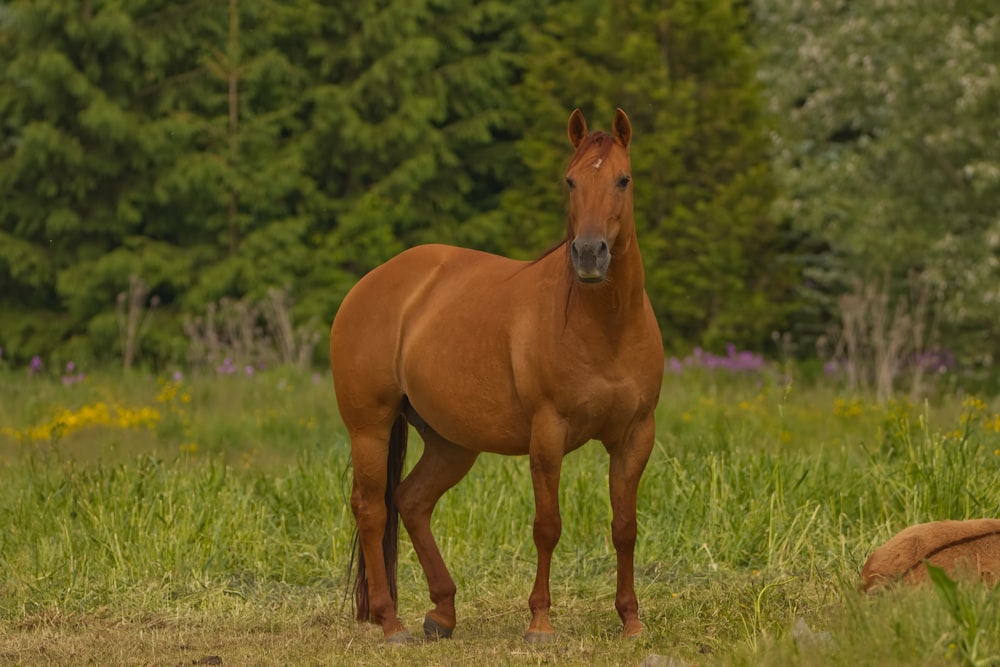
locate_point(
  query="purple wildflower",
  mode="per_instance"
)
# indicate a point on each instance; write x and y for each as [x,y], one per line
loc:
[935,361]
[734,361]
[227,367]
[73,379]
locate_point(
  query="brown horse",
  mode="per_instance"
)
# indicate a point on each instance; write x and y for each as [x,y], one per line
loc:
[482,353]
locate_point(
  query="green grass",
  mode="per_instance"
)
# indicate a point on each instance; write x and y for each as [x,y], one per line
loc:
[220,527]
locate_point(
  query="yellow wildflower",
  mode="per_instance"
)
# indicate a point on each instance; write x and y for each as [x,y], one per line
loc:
[848,408]
[167,394]
[973,404]
[96,414]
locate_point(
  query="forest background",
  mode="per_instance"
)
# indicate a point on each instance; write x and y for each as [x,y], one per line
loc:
[181,182]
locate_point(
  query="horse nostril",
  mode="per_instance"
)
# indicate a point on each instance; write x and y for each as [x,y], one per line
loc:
[590,256]
[589,248]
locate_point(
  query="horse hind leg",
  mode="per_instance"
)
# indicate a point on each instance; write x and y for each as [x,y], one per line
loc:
[442,465]
[377,457]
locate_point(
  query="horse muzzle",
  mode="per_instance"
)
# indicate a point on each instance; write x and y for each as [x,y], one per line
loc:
[591,258]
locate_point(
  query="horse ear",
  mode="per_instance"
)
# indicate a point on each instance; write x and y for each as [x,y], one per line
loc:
[622,128]
[576,128]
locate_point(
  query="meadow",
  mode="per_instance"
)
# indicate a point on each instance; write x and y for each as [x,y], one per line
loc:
[176,520]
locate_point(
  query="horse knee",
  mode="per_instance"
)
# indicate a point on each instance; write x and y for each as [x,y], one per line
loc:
[623,534]
[547,532]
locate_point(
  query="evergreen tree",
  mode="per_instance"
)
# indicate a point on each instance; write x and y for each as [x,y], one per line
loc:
[81,145]
[167,151]
[247,148]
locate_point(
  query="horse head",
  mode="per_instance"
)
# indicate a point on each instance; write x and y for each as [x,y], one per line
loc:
[599,178]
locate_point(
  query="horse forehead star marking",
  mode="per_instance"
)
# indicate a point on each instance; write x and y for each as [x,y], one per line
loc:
[597,165]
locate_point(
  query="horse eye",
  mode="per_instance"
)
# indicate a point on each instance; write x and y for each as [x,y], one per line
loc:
[624,181]
[570,183]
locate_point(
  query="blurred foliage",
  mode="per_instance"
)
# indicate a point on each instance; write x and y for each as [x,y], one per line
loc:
[888,154]
[221,150]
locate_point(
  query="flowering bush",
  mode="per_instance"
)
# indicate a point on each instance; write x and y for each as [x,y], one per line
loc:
[733,361]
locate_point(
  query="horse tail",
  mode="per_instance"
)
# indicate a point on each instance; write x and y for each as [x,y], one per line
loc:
[390,539]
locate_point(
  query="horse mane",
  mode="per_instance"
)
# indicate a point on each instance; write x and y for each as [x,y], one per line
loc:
[551,250]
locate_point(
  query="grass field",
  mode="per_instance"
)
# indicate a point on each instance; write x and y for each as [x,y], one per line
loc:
[177,521]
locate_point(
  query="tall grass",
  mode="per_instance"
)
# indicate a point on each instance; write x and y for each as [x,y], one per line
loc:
[223,526]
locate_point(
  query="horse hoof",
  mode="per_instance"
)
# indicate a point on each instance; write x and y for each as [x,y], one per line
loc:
[539,637]
[401,638]
[632,632]
[434,630]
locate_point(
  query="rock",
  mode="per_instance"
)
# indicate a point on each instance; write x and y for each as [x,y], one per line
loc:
[807,639]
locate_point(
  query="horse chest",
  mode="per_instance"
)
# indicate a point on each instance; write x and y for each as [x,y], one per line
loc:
[598,407]
[591,399]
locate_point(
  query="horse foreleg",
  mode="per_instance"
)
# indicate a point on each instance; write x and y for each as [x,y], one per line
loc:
[442,465]
[546,462]
[628,460]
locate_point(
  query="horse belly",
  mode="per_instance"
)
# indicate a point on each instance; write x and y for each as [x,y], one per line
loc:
[458,380]
[472,411]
